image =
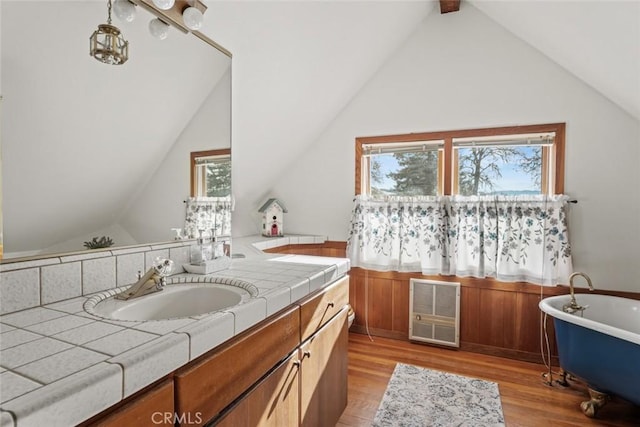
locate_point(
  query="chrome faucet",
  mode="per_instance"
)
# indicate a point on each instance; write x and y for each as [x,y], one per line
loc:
[573,306]
[153,280]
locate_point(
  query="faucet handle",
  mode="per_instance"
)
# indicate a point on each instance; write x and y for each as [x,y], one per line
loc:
[163,266]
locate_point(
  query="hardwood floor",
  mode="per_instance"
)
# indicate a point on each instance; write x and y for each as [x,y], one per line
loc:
[526,400]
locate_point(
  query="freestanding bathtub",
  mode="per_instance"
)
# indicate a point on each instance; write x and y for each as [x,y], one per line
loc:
[600,345]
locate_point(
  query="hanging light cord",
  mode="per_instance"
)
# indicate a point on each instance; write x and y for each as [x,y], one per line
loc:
[109,11]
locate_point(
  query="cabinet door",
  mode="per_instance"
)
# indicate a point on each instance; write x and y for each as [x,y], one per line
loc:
[272,402]
[218,378]
[323,374]
[153,408]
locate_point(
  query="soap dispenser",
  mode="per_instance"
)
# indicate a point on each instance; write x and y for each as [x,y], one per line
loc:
[207,251]
[198,250]
[215,245]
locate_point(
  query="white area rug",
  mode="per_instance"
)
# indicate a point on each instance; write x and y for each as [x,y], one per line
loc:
[422,397]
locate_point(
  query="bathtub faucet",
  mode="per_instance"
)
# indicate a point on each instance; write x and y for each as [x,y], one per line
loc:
[573,306]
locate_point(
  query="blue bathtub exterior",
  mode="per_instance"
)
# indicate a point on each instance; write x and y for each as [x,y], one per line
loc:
[607,364]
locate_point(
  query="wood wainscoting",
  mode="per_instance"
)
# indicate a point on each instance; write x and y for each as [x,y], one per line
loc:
[496,318]
[501,319]
[329,248]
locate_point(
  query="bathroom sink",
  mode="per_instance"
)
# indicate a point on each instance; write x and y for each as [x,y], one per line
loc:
[174,301]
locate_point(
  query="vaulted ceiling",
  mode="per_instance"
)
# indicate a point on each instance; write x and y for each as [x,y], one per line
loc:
[296,65]
[597,41]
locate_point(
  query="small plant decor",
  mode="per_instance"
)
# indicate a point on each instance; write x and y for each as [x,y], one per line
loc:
[102,242]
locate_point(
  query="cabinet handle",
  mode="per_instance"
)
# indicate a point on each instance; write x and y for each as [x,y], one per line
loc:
[296,363]
[306,354]
[331,304]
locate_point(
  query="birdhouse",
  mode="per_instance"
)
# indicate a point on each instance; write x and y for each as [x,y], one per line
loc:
[272,218]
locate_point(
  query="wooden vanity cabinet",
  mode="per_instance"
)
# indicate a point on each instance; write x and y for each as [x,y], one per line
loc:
[310,387]
[153,407]
[273,402]
[319,308]
[323,374]
[218,378]
[288,370]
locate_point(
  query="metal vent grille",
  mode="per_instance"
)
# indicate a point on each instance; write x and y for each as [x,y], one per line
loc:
[434,312]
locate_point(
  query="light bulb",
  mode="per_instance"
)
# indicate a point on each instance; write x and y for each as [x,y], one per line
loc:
[158,29]
[192,18]
[164,4]
[124,10]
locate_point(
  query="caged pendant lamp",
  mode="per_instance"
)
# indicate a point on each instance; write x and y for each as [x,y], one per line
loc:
[107,44]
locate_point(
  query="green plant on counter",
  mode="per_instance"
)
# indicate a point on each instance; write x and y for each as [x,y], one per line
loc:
[102,242]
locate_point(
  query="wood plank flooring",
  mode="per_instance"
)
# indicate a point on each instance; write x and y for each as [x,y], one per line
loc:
[526,400]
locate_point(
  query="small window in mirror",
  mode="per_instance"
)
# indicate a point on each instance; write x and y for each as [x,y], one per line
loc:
[211,173]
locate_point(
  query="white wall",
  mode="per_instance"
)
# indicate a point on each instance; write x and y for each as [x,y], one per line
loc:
[209,129]
[1,222]
[597,40]
[296,64]
[119,235]
[462,70]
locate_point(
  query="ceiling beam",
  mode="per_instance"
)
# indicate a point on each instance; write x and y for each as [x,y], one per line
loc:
[447,6]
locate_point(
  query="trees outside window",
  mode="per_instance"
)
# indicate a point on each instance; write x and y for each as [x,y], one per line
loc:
[507,170]
[211,173]
[513,160]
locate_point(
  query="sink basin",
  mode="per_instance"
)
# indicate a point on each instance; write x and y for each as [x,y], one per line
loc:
[174,301]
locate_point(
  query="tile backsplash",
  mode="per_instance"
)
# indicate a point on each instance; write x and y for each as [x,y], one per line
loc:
[27,284]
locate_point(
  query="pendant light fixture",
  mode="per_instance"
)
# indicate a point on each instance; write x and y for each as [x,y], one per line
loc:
[107,44]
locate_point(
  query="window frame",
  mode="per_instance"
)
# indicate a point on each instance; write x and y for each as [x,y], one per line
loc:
[448,159]
[195,155]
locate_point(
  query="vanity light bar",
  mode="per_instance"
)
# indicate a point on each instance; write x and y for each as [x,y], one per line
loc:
[172,16]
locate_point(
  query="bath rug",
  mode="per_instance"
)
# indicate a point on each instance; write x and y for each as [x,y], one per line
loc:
[420,397]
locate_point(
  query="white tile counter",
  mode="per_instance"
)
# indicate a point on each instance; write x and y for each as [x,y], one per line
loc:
[60,365]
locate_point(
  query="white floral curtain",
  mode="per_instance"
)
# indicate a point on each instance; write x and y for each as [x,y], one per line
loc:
[399,234]
[207,213]
[511,238]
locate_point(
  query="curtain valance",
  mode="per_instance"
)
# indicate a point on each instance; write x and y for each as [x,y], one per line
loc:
[511,238]
[208,213]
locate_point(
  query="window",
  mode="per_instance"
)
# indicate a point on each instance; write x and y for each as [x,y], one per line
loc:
[403,169]
[211,173]
[510,160]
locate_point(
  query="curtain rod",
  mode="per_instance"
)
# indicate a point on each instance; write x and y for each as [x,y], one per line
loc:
[570,201]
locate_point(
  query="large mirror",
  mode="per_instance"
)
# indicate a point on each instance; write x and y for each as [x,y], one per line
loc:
[90,149]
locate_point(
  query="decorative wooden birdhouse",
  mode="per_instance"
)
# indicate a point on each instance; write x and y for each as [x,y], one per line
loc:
[272,218]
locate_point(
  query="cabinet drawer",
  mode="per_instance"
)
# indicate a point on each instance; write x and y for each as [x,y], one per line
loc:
[153,408]
[211,384]
[273,402]
[320,308]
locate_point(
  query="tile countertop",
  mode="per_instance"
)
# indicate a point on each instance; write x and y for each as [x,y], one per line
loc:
[53,354]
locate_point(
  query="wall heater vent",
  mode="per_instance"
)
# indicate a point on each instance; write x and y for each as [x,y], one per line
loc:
[434,312]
